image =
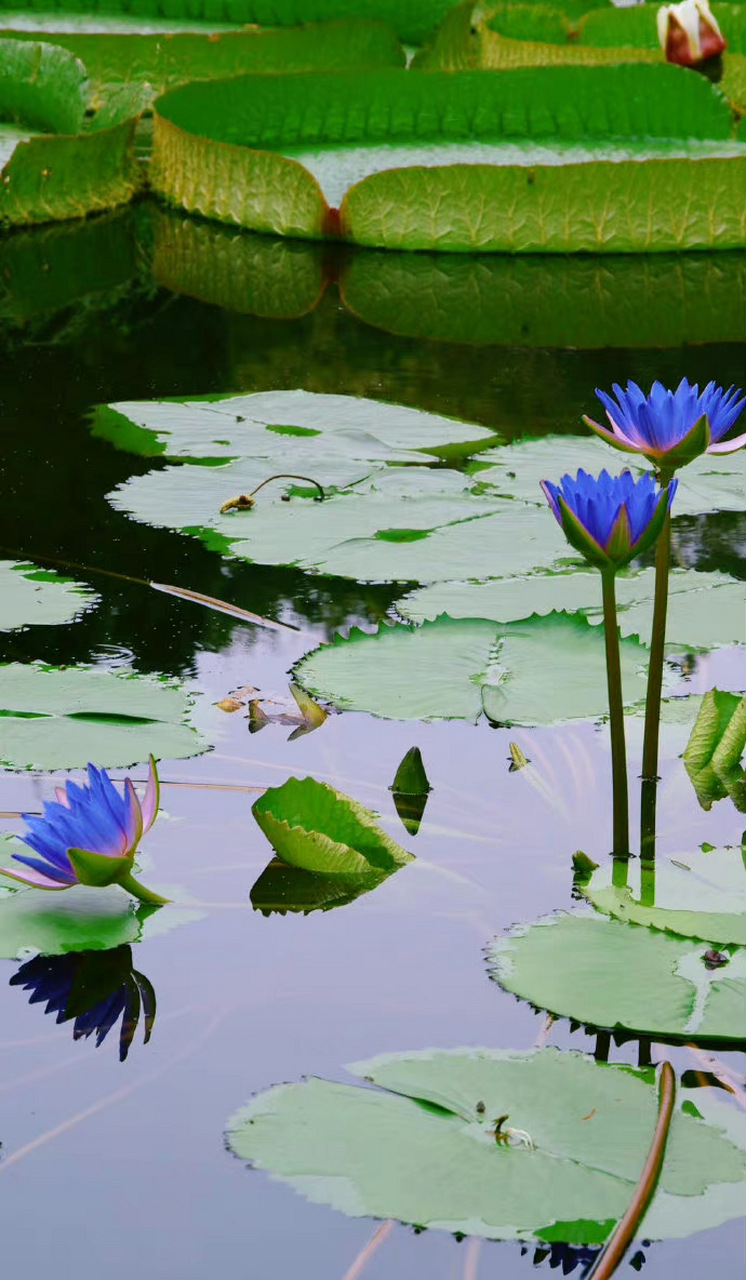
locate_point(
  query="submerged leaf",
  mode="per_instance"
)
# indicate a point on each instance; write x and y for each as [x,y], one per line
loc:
[420,1147]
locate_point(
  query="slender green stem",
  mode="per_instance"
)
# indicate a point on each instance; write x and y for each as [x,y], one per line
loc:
[140,892]
[649,792]
[616,720]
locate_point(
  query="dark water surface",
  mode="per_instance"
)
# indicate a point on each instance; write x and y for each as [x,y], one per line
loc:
[116,1168]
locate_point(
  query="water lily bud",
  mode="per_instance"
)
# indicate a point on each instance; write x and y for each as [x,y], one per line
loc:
[689,33]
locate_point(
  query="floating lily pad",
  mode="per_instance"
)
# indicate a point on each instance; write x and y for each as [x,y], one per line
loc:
[537,672]
[694,894]
[609,974]
[30,596]
[423,1153]
[314,827]
[704,609]
[281,889]
[62,718]
[63,164]
[80,919]
[515,162]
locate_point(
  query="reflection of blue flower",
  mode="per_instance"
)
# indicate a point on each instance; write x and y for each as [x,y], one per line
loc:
[89,835]
[610,519]
[671,427]
[96,988]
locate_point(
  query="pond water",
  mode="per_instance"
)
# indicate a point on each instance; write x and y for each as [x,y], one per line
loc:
[113,1165]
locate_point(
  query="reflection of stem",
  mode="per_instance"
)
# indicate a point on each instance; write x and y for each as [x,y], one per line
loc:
[603,1045]
[140,892]
[624,1232]
[655,689]
[616,720]
[362,1259]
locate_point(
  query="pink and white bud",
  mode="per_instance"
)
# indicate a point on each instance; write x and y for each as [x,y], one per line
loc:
[689,33]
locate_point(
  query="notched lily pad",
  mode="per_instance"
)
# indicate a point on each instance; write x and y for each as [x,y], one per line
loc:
[623,977]
[420,1146]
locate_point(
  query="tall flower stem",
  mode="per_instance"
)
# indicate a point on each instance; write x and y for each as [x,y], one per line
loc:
[654,691]
[616,719]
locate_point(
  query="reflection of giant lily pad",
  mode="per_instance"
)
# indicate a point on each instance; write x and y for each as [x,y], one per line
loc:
[423,1153]
[80,919]
[56,162]
[695,894]
[511,162]
[535,672]
[30,596]
[606,973]
[61,719]
[704,609]
[314,827]
[289,430]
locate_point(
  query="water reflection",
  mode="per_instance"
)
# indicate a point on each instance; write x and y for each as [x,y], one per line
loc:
[96,989]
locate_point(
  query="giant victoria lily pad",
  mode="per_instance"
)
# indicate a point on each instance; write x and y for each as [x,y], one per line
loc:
[624,977]
[420,1146]
[60,718]
[56,161]
[554,159]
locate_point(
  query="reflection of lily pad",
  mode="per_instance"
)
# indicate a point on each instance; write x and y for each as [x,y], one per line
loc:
[695,894]
[608,974]
[30,596]
[80,919]
[704,609]
[534,672]
[314,827]
[282,888]
[62,718]
[423,1153]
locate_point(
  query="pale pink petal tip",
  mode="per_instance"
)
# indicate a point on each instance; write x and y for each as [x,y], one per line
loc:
[61,796]
[728,446]
[133,817]
[36,879]
[151,799]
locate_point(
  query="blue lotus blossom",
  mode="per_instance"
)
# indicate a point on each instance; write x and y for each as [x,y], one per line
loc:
[671,428]
[610,519]
[89,835]
[96,989]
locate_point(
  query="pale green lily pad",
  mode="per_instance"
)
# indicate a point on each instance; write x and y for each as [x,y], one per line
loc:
[609,974]
[291,430]
[697,895]
[30,596]
[536,672]
[422,1153]
[704,609]
[77,919]
[62,718]
[402,524]
[314,827]
[714,482]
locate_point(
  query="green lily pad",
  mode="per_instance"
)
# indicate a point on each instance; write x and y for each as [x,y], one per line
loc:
[62,718]
[289,430]
[713,482]
[609,974]
[30,596]
[494,163]
[314,827]
[416,1148]
[713,754]
[78,919]
[540,671]
[694,894]
[704,609]
[281,889]
[63,164]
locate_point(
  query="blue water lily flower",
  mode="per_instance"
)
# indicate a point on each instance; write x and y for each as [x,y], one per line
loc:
[89,835]
[671,428]
[96,989]
[610,519]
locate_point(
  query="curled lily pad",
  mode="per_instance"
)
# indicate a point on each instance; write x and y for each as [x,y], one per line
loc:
[60,718]
[609,974]
[420,1146]
[30,596]
[314,827]
[713,754]
[693,894]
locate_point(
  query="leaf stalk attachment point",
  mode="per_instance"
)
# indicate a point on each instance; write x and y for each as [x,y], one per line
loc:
[245,501]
